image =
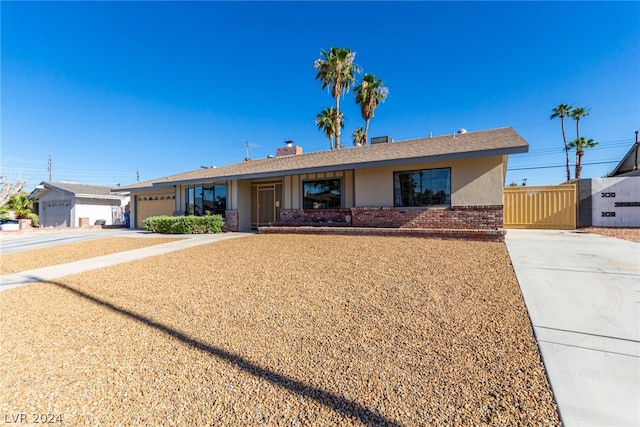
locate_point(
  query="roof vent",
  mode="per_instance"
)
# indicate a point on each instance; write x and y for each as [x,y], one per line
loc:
[462,130]
[381,140]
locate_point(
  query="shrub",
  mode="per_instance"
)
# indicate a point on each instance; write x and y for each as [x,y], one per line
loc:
[35,220]
[184,224]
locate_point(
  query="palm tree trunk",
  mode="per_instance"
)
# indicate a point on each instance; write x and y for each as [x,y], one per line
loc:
[366,132]
[579,163]
[338,122]
[566,149]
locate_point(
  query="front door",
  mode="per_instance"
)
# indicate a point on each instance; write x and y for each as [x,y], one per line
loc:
[265,204]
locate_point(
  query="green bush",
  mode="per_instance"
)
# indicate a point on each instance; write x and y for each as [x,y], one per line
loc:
[184,224]
[35,219]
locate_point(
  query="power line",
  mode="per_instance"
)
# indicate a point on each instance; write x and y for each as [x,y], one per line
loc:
[559,166]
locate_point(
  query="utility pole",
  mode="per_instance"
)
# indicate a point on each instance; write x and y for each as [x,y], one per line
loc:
[247,149]
[138,175]
[50,165]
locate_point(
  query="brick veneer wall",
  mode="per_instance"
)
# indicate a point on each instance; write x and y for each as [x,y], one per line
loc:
[231,221]
[328,217]
[25,224]
[489,217]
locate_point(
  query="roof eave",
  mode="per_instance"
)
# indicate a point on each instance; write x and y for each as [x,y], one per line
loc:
[100,196]
[345,166]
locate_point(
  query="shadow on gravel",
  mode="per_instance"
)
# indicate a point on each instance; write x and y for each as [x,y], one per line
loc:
[345,407]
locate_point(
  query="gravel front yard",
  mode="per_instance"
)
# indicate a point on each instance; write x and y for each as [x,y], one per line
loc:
[631,234]
[281,330]
[45,257]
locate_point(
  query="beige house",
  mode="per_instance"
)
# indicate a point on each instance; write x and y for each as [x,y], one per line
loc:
[451,182]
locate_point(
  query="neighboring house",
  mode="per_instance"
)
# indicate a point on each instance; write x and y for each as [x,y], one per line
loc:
[62,204]
[628,166]
[446,182]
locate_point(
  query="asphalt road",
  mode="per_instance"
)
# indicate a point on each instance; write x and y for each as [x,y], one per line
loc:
[14,242]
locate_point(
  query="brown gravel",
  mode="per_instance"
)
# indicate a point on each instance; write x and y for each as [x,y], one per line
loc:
[631,234]
[281,330]
[45,257]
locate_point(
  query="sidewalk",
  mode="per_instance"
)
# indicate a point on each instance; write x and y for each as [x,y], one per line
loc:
[14,280]
[582,292]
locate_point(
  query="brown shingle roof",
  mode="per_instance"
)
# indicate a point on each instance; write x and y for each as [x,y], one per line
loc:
[450,147]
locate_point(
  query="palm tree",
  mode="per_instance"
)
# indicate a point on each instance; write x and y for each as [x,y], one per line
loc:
[576,114]
[359,137]
[326,122]
[580,144]
[336,71]
[562,111]
[369,94]
[20,205]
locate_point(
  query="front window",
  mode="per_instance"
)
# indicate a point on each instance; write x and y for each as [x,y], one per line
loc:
[426,187]
[322,194]
[207,200]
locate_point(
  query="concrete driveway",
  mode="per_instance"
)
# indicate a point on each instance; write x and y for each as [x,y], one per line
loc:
[583,296]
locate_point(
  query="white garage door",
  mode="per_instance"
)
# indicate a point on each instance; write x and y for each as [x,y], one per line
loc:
[56,214]
[153,205]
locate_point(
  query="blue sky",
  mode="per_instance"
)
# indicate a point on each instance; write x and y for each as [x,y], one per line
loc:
[111,88]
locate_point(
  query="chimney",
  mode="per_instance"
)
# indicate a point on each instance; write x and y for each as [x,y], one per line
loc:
[289,149]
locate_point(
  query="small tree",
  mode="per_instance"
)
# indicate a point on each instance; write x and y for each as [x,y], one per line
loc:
[359,137]
[580,144]
[20,205]
[336,71]
[326,122]
[369,94]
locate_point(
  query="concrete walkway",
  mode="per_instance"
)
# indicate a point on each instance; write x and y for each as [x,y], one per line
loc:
[9,281]
[582,292]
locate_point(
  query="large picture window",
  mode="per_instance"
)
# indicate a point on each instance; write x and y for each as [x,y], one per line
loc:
[207,200]
[322,194]
[427,187]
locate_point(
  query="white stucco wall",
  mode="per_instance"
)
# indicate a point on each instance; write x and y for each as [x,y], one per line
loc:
[96,209]
[616,202]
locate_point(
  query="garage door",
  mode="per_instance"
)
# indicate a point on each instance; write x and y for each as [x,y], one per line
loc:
[56,214]
[153,205]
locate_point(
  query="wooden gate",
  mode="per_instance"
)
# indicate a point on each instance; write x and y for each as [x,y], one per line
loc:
[544,207]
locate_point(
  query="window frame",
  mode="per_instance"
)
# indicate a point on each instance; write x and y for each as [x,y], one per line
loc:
[197,204]
[318,180]
[398,199]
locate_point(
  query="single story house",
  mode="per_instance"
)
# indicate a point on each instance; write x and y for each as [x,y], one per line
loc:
[447,182]
[63,204]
